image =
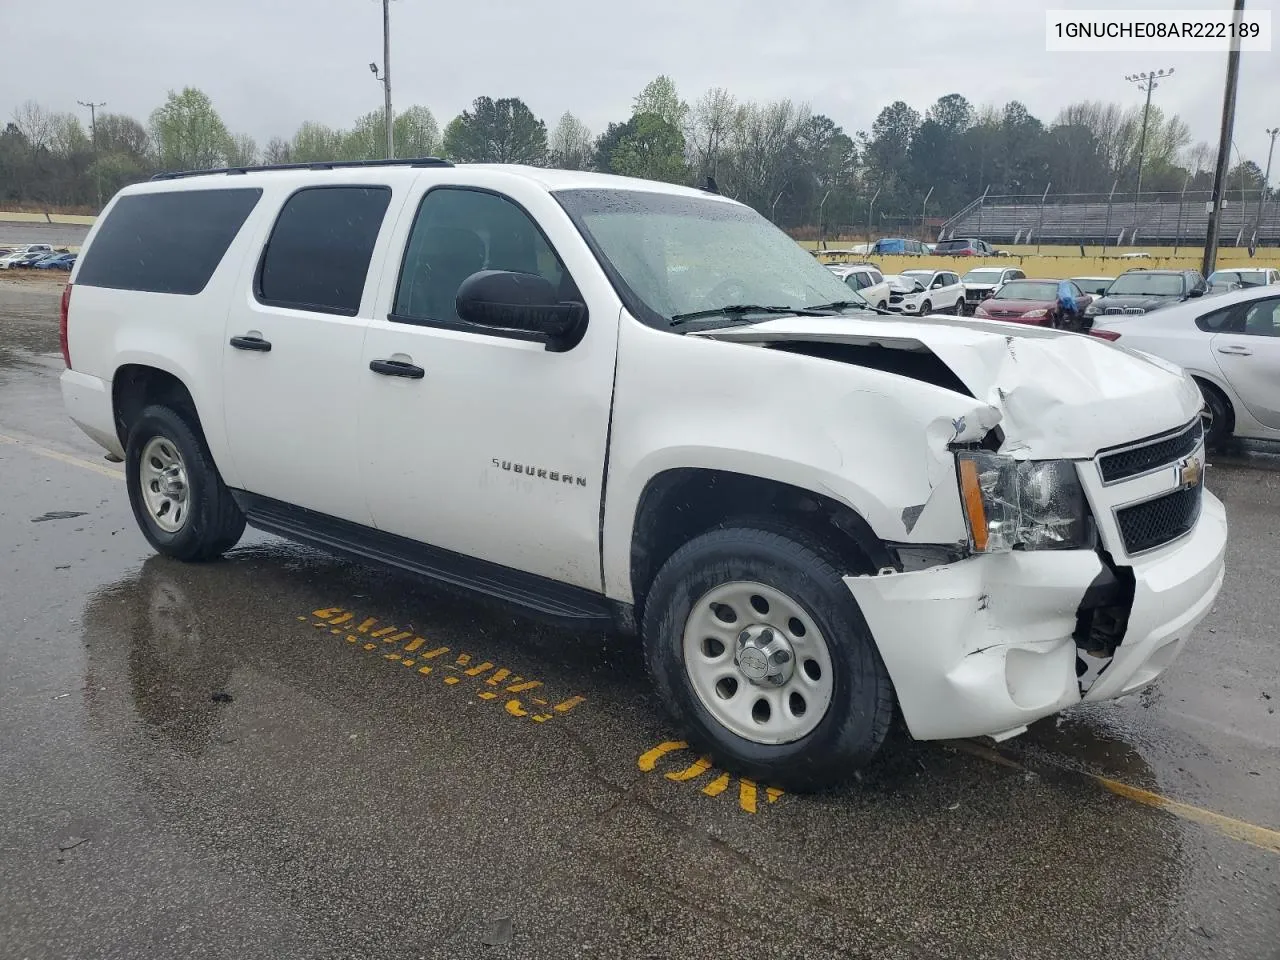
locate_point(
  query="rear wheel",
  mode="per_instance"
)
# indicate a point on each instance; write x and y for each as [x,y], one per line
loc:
[1219,416]
[179,500]
[761,654]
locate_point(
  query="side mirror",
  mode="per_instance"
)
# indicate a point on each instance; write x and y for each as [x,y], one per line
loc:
[521,302]
[1197,291]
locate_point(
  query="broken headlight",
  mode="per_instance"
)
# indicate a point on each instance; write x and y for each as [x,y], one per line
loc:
[1022,504]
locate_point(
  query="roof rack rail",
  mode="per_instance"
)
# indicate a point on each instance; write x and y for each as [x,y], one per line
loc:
[316,165]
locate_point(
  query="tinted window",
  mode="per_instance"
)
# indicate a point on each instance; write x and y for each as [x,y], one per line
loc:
[1262,319]
[460,232]
[1219,321]
[318,255]
[165,242]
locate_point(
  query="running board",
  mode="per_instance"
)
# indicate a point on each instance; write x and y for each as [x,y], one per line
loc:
[548,600]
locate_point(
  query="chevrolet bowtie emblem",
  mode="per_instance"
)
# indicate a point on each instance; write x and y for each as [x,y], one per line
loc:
[1190,472]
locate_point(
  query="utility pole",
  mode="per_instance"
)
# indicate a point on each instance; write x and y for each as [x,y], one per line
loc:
[385,79]
[923,207]
[93,138]
[1266,182]
[1224,144]
[1145,82]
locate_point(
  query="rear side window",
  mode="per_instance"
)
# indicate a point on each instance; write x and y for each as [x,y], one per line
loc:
[165,242]
[318,254]
[1219,321]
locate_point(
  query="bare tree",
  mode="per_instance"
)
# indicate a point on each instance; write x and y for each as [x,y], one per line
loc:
[708,127]
[571,144]
[242,151]
[35,123]
[276,151]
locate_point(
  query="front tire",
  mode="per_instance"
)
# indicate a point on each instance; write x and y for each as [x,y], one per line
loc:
[761,654]
[179,500]
[1221,417]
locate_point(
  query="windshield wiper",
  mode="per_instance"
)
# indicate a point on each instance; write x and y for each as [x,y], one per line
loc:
[858,304]
[740,309]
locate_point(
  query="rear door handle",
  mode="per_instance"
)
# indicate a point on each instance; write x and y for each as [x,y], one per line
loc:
[251,343]
[397,368]
[1236,351]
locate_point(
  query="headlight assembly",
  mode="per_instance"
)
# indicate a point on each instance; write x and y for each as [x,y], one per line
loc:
[1022,504]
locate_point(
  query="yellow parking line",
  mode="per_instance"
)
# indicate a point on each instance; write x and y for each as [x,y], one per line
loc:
[63,457]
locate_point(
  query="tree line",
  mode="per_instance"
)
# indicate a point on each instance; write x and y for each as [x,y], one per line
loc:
[798,167]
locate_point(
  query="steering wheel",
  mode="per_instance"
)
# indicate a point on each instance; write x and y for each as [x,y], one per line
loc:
[726,292]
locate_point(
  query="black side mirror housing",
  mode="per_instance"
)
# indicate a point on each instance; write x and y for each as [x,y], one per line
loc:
[1197,291]
[523,304]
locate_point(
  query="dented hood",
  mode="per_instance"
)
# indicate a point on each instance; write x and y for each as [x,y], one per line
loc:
[1059,394]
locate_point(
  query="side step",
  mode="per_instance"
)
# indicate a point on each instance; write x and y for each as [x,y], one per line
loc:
[548,600]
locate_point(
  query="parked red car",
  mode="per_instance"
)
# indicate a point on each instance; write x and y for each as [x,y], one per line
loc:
[1028,301]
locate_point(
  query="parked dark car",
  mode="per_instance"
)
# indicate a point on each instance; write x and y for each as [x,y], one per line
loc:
[960,247]
[1029,301]
[59,261]
[29,259]
[1141,291]
[898,246]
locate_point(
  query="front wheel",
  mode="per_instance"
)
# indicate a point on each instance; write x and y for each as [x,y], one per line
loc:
[179,500]
[926,307]
[761,654]
[1218,417]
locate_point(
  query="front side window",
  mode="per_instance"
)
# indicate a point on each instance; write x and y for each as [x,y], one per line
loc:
[675,254]
[317,257]
[458,232]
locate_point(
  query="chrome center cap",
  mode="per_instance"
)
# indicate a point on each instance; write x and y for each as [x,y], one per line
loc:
[172,483]
[764,656]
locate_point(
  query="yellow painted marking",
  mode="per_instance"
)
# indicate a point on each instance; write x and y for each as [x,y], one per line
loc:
[384,631]
[432,654]
[424,670]
[541,717]
[414,644]
[476,671]
[717,786]
[747,794]
[772,794]
[463,659]
[1250,833]
[343,619]
[514,708]
[324,613]
[64,457]
[367,625]
[397,638]
[487,695]
[649,759]
[569,704]
[452,679]
[521,687]
[371,646]
[691,772]
[498,676]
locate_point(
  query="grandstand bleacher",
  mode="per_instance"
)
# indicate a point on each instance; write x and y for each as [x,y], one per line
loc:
[1160,219]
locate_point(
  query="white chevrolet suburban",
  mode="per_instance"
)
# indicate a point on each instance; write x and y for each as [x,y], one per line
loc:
[627,405]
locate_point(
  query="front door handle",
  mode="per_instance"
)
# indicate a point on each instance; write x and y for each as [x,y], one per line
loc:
[251,343]
[1236,351]
[397,368]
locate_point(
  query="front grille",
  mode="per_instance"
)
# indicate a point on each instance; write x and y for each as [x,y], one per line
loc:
[1159,521]
[895,298]
[1158,452]
[1126,311]
[977,294]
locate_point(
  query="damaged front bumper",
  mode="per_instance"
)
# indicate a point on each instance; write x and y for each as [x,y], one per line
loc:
[988,644]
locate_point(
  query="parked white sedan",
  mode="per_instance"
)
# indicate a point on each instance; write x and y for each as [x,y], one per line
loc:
[1230,344]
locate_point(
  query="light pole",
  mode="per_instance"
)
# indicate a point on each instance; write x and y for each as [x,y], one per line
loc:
[871,214]
[1145,82]
[93,139]
[820,206]
[385,78]
[924,206]
[1266,183]
[1224,144]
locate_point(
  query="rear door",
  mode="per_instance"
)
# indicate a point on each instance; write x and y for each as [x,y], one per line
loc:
[292,350]
[1249,357]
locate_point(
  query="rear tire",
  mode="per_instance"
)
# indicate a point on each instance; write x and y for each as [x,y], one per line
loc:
[179,500]
[785,748]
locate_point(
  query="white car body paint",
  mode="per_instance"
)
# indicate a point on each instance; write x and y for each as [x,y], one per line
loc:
[949,296]
[982,645]
[1244,366]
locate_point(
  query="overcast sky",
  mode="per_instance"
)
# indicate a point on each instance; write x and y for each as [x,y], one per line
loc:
[270,64]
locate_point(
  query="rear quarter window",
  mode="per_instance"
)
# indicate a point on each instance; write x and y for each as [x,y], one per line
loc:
[167,242]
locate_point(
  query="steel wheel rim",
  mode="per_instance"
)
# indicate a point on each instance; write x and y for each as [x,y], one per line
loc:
[732,694]
[162,478]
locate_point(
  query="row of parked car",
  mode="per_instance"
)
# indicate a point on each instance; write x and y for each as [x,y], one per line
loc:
[36,256]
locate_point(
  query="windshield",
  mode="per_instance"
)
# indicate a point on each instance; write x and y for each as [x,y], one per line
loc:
[1028,290]
[1248,278]
[681,255]
[982,276]
[1147,285]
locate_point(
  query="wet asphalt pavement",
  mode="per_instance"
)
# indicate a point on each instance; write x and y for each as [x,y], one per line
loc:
[236,760]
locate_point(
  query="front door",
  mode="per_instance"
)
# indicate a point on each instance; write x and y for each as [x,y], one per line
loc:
[293,347]
[1249,357]
[492,447]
